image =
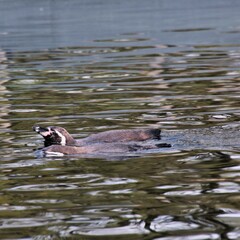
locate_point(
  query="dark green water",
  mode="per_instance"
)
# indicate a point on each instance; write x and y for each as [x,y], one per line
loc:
[178,75]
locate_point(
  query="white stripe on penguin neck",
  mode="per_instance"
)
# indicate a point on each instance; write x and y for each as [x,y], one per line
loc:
[63,139]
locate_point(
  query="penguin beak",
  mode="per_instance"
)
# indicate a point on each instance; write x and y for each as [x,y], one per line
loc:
[42,131]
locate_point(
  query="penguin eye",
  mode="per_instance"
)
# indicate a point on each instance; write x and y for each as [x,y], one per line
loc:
[51,129]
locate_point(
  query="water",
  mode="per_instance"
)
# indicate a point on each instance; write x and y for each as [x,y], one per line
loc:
[91,66]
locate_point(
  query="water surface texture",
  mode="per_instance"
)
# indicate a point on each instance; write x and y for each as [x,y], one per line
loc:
[97,65]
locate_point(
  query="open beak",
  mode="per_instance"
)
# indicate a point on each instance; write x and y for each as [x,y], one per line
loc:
[42,131]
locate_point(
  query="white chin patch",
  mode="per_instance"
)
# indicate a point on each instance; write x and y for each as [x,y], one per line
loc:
[63,139]
[45,134]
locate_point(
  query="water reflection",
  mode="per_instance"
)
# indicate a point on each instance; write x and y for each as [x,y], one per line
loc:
[174,193]
[88,85]
[127,80]
[3,92]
